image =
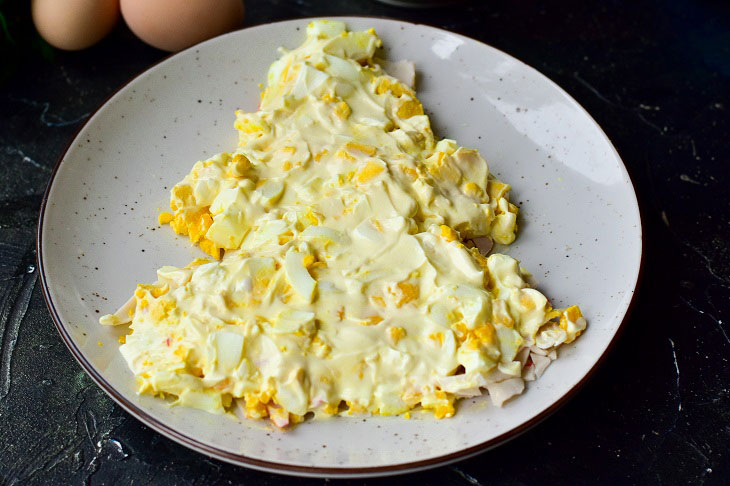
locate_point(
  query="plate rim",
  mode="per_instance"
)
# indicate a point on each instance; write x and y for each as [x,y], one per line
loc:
[316,471]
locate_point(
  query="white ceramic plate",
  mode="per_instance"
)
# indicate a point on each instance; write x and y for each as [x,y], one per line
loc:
[580,231]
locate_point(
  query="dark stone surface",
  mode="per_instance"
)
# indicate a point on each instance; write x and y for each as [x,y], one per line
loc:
[656,77]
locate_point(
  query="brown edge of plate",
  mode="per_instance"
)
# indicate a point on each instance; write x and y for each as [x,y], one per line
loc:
[312,471]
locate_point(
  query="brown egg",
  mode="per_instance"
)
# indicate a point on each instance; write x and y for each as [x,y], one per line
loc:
[173,25]
[74,24]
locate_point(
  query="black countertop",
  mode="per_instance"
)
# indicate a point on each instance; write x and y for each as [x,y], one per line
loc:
[656,77]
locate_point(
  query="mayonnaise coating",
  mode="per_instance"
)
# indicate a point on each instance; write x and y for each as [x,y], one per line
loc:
[344,276]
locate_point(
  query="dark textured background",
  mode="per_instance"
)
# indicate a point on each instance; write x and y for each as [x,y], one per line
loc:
[656,77]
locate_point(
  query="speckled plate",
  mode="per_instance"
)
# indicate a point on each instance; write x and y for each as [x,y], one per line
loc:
[580,232]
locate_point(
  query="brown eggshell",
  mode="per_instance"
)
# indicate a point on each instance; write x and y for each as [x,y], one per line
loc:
[173,25]
[74,24]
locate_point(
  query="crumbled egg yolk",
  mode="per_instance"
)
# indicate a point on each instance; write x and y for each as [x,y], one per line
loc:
[340,278]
